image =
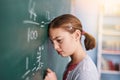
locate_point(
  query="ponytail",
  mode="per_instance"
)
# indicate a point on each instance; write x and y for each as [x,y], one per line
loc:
[89,41]
[71,23]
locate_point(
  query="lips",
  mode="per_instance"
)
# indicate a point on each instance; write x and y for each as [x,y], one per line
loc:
[59,52]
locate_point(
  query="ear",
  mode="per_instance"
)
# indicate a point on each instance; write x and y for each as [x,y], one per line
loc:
[77,35]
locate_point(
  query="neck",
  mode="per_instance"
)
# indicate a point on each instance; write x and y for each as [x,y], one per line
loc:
[78,55]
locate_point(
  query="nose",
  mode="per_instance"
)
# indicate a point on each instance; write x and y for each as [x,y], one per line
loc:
[56,46]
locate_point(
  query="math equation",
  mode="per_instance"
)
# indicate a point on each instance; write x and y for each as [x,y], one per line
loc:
[32,35]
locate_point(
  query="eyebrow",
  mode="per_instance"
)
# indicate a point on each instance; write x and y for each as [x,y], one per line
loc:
[56,37]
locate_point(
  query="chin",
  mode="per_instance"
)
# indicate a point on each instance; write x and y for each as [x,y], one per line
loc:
[64,55]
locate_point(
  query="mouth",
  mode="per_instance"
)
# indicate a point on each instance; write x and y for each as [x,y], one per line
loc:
[59,52]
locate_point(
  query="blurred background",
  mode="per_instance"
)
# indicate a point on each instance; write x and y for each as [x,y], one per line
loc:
[101,18]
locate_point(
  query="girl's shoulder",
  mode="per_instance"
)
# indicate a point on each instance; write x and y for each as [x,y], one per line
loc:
[85,70]
[86,64]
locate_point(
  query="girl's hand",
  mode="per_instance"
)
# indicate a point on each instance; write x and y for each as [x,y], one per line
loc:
[50,75]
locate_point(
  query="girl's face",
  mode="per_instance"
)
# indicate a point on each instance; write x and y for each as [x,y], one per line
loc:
[63,42]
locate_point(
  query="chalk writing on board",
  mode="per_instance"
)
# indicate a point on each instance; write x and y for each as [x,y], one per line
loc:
[33,15]
[31,22]
[32,35]
[37,65]
[40,64]
[27,62]
[40,24]
[31,9]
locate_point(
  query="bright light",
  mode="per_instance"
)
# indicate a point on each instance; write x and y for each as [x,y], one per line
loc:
[111,7]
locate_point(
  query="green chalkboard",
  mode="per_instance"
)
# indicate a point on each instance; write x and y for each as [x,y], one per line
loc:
[25,50]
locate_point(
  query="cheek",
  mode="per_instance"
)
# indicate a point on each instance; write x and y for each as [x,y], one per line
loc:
[68,47]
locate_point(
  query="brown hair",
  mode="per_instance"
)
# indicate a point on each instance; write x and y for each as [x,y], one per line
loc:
[71,23]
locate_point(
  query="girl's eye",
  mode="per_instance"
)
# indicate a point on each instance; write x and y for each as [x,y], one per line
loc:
[59,40]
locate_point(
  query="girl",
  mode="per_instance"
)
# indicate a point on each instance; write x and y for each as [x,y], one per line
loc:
[65,32]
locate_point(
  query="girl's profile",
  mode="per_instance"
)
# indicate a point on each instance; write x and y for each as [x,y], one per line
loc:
[65,33]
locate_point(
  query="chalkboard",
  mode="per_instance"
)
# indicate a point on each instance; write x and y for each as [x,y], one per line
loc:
[25,50]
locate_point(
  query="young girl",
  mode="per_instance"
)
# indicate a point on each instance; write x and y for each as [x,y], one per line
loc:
[65,32]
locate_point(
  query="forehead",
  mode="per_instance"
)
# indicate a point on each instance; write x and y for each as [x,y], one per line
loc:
[57,32]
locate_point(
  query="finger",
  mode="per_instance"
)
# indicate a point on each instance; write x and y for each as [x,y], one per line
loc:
[49,70]
[46,78]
